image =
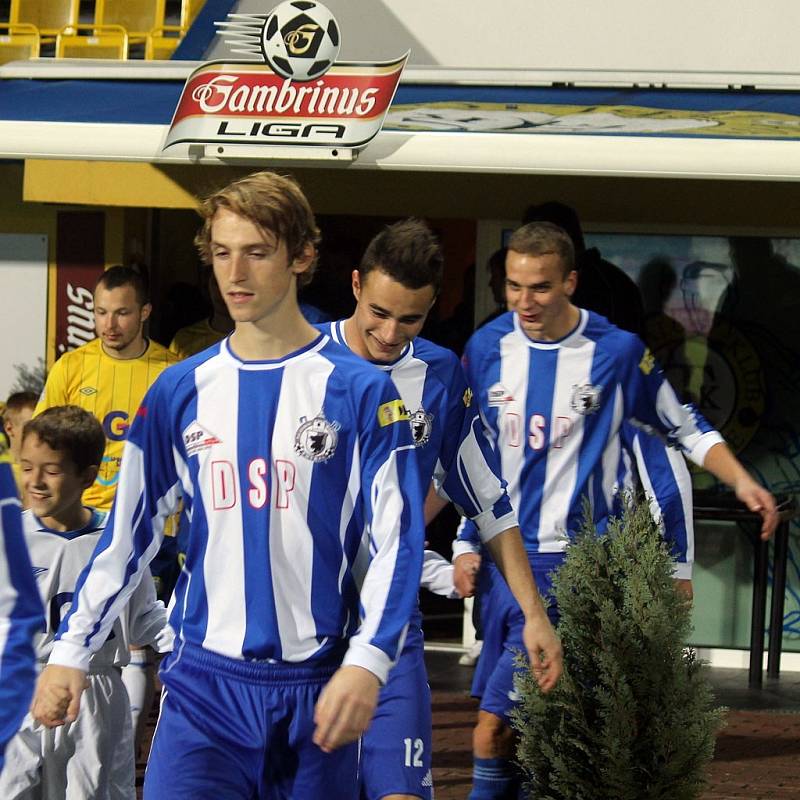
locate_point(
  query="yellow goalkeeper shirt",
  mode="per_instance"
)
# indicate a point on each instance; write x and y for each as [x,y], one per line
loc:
[111,389]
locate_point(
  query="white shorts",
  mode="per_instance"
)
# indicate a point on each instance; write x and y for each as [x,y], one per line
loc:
[89,759]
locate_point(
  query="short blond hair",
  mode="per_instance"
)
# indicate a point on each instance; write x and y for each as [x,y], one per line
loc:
[541,239]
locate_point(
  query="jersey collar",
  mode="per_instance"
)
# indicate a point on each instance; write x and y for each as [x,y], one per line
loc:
[564,341]
[337,330]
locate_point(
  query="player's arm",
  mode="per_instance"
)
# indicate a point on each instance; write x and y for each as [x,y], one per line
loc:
[21,613]
[724,466]
[392,500]
[147,618]
[650,399]
[469,475]
[466,557]
[434,503]
[147,493]
[437,575]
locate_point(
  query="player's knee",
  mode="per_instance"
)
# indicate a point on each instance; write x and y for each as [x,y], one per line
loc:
[492,738]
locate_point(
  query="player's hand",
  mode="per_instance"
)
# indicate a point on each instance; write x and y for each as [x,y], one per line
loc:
[465,573]
[58,695]
[683,586]
[758,499]
[345,707]
[544,652]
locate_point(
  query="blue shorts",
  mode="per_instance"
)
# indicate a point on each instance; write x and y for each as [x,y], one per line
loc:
[396,749]
[503,623]
[238,730]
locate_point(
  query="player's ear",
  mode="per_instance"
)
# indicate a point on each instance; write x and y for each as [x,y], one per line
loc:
[147,309]
[571,282]
[356,284]
[306,258]
[88,476]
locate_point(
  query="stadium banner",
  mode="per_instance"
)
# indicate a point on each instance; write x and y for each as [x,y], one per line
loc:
[80,261]
[298,94]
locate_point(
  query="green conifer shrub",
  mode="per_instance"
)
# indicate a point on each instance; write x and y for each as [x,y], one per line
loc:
[632,717]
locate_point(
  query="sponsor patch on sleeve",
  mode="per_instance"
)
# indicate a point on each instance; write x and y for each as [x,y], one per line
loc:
[648,362]
[393,411]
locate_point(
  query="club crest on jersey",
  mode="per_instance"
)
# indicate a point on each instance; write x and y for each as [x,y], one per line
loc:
[498,395]
[586,398]
[316,438]
[421,425]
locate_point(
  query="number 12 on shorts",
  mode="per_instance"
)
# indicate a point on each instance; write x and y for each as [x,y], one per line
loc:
[414,748]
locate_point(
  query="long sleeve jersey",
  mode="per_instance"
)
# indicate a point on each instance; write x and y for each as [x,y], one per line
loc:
[21,614]
[452,449]
[58,558]
[647,463]
[300,484]
[555,411]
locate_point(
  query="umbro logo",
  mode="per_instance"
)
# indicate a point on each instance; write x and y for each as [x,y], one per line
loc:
[88,390]
[37,571]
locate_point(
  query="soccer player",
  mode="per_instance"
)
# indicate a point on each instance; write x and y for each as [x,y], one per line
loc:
[18,410]
[297,468]
[108,377]
[93,756]
[395,286]
[21,614]
[554,384]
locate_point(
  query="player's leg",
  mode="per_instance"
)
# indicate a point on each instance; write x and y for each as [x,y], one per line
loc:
[20,778]
[294,767]
[396,749]
[119,748]
[139,679]
[495,776]
[209,740]
[494,628]
[80,758]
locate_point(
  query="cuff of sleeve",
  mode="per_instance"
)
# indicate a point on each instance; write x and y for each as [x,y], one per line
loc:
[164,642]
[462,547]
[67,654]
[490,526]
[682,570]
[368,657]
[698,453]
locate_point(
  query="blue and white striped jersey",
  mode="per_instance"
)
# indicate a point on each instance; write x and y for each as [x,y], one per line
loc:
[661,471]
[21,613]
[555,410]
[452,449]
[58,558]
[291,472]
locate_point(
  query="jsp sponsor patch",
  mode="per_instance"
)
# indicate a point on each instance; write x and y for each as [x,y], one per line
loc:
[393,411]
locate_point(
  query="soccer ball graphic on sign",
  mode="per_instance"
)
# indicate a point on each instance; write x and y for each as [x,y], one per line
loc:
[300,39]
